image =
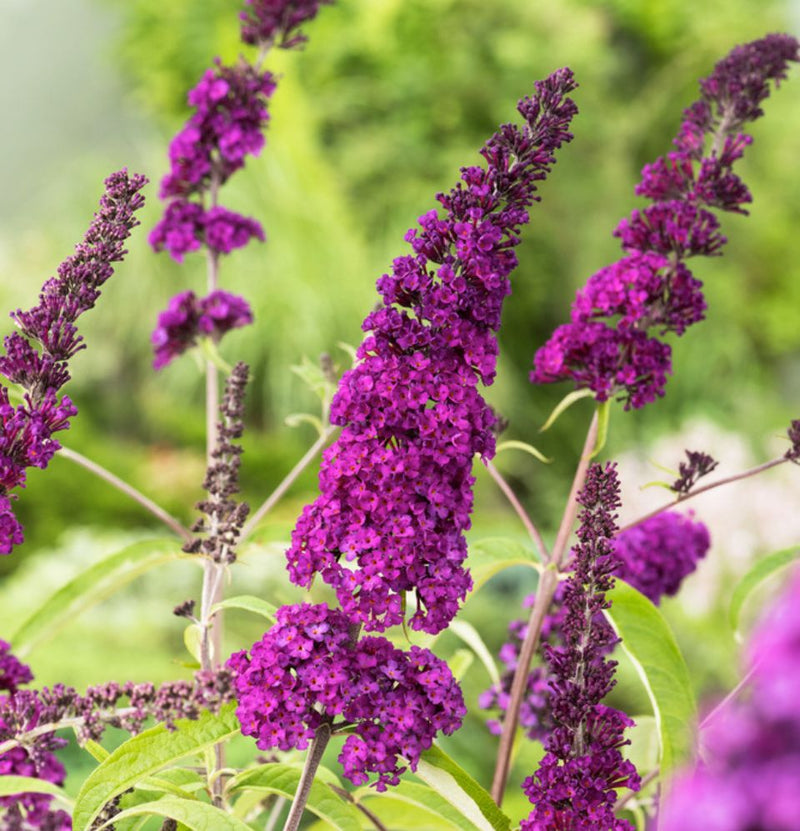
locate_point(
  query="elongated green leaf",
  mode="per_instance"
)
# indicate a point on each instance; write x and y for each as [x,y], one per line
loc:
[491,555]
[198,816]
[477,808]
[566,402]
[525,447]
[469,634]
[460,661]
[249,603]
[146,754]
[649,643]
[603,417]
[757,574]
[95,584]
[283,779]
[411,795]
[10,785]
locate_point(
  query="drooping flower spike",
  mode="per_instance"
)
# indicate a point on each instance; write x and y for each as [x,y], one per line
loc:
[396,486]
[612,345]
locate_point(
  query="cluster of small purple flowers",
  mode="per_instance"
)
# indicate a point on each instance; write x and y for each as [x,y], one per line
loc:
[277,21]
[396,486]
[608,346]
[188,318]
[27,810]
[26,430]
[576,782]
[751,749]
[654,557]
[310,668]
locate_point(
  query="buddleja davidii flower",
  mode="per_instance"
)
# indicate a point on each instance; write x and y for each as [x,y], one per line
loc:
[612,345]
[396,486]
[576,783]
[36,358]
[751,748]
[277,22]
[310,669]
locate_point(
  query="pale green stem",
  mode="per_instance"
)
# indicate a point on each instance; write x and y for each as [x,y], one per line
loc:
[320,741]
[128,490]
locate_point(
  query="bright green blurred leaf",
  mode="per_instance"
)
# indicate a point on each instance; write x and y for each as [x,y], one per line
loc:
[249,603]
[420,807]
[10,785]
[471,637]
[491,555]
[198,816]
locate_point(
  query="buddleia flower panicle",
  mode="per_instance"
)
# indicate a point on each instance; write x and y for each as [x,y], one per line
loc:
[396,486]
[613,345]
[309,670]
[750,764]
[697,465]
[576,783]
[223,517]
[37,356]
[268,22]
[793,453]
[654,557]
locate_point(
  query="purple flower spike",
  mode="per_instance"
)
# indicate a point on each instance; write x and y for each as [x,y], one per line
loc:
[751,749]
[277,21]
[186,318]
[577,780]
[36,358]
[611,346]
[396,486]
[308,670]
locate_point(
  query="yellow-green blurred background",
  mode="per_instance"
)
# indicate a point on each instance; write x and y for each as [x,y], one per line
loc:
[369,121]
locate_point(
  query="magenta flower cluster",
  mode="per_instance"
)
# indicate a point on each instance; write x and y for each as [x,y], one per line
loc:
[188,318]
[751,748]
[654,557]
[28,810]
[396,486]
[309,669]
[576,783]
[37,356]
[277,21]
[613,345]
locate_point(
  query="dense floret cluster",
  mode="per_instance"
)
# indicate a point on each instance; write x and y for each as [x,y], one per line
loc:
[37,356]
[396,486]
[612,345]
[277,22]
[310,668]
[188,318]
[576,783]
[751,749]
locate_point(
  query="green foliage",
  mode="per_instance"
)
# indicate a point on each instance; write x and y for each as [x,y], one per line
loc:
[648,641]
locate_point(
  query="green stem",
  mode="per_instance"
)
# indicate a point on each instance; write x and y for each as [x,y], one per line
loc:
[315,752]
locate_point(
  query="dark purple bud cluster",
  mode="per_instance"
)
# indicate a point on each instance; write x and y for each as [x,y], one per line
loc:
[396,486]
[188,318]
[654,557]
[311,668]
[36,357]
[608,346]
[751,749]
[223,516]
[793,453]
[277,22]
[697,464]
[576,783]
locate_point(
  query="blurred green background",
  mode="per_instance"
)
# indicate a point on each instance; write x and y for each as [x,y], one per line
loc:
[369,121]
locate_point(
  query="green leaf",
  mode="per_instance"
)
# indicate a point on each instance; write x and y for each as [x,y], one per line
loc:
[95,584]
[420,807]
[477,808]
[296,419]
[651,646]
[11,785]
[491,555]
[146,754]
[283,779]
[603,417]
[469,634]
[762,569]
[99,753]
[198,816]
[249,603]
[460,661]
[524,446]
[193,640]
[566,402]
